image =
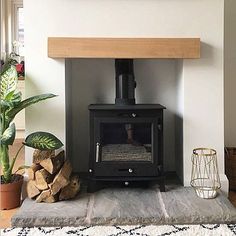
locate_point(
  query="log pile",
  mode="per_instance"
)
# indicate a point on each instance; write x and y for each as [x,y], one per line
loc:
[51,178]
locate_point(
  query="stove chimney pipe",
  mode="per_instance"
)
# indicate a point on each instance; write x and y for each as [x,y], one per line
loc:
[125,82]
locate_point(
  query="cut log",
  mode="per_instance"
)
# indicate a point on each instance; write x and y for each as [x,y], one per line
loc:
[31,189]
[61,179]
[51,199]
[46,196]
[32,170]
[42,178]
[39,155]
[43,195]
[53,164]
[71,190]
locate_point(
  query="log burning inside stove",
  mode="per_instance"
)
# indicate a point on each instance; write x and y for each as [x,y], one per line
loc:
[126,139]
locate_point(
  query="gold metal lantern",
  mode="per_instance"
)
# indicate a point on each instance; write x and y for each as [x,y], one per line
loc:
[205,177]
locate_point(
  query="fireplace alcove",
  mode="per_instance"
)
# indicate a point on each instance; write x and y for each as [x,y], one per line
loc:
[193,76]
[157,82]
[92,81]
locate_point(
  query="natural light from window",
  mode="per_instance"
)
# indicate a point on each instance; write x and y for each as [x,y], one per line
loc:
[20,29]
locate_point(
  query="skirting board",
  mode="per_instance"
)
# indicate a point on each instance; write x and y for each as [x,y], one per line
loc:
[20,133]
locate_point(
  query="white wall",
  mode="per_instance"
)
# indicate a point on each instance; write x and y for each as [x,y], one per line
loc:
[230,73]
[202,79]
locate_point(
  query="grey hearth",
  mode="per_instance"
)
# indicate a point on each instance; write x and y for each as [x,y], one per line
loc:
[179,205]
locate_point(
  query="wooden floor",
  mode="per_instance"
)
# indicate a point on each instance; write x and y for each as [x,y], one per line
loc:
[5,216]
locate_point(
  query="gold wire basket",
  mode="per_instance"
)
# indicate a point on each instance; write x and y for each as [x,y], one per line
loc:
[205,177]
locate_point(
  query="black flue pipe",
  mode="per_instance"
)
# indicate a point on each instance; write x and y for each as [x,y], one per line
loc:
[125,82]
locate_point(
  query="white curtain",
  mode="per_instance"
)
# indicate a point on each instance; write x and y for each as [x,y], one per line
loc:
[5,27]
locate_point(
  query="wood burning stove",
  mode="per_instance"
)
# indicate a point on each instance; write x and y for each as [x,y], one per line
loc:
[126,139]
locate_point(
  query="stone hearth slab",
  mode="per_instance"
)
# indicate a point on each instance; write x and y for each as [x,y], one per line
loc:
[182,205]
[55,214]
[178,205]
[133,206]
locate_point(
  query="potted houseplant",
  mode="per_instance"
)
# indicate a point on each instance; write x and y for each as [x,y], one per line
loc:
[10,104]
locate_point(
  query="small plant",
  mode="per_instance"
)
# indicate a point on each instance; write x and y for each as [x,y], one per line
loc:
[10,104]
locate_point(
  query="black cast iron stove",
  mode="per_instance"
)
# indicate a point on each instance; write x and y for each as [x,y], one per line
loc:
[126,139]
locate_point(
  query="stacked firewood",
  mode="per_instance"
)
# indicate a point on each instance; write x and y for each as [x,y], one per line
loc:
[51,178]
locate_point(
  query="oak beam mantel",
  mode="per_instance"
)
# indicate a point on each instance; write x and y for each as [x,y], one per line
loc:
[62,47]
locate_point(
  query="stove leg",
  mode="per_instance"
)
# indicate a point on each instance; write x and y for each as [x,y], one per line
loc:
[92,186]
[162,185]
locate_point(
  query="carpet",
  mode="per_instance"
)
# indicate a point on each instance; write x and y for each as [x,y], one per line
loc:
[136,230]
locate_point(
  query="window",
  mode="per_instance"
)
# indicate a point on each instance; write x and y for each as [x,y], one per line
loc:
[18,27]
[11,28]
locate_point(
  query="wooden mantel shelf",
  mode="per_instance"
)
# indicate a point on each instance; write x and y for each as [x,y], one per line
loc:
[61,47]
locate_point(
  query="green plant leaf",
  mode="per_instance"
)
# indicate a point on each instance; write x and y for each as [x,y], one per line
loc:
[9,95]
[43,141]
[16,99]
[9,81]
[22,168]
[9,134]
[9,62]
[4,105]
[10,114]
[5,67]
[13,96]
[11,100]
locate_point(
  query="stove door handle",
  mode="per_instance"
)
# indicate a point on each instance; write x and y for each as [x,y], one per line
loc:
[97,151]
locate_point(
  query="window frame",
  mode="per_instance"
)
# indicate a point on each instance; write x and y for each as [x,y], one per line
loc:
[14,8]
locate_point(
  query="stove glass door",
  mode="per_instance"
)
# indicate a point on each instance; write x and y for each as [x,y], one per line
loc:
[125,142]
